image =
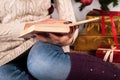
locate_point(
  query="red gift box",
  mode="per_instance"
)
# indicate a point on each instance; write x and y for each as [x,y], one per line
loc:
[110,54]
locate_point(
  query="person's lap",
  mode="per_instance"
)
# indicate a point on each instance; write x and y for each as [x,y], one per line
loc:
[48,62]
[53,65]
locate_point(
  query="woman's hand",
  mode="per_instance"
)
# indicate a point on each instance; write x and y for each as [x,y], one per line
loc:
[61,39]
[65,39]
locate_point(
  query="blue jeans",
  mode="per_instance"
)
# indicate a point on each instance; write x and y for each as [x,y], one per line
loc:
[45,62]
[13,71]
[48,62]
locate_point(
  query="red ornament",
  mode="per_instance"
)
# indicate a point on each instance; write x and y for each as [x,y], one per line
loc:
[86,2]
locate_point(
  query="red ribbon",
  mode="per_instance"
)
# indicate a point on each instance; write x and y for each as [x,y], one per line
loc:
[114,31]
[103,25]
[111,14]
[103,12]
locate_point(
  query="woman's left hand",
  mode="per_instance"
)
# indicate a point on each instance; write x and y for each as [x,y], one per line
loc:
[63,39]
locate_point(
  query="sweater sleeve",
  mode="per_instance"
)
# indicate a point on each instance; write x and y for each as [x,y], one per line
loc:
[11,29]
[66,12]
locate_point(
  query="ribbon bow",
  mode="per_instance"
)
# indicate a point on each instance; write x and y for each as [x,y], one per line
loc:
[109,54]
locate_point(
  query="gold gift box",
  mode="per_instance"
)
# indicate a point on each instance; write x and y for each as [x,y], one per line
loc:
[92,38]
[94,28]
[88,43]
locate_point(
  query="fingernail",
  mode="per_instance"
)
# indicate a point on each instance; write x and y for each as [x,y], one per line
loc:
[68,22]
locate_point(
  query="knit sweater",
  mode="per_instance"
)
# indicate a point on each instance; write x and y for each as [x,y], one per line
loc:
[14,14]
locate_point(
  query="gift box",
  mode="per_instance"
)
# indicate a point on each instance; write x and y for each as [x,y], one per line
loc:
[94,28]
[105,31]
[109,54]
[84,42]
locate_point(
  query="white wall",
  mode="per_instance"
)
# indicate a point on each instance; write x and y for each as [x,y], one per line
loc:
[81,15]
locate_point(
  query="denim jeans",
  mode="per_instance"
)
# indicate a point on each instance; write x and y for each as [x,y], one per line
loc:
[13,71]
[48,62]
[45,62]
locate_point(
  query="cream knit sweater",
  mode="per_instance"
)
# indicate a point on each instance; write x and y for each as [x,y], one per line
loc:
[14,14]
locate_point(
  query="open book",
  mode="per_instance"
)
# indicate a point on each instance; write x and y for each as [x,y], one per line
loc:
[54,28]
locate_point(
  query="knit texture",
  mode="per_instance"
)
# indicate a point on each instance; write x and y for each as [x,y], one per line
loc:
[14,14]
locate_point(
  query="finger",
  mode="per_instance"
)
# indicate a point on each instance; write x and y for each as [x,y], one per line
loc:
[40,37]
[52,36]
[73,29]
[59,38]
[68,22]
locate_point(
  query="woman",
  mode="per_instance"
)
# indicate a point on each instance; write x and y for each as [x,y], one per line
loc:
[46,60]
[14,15]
